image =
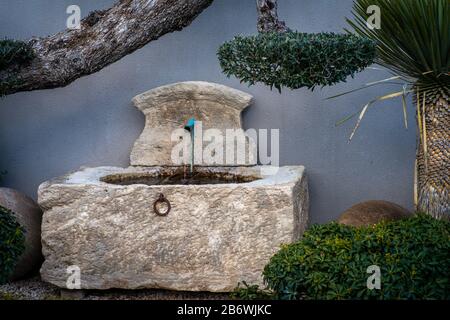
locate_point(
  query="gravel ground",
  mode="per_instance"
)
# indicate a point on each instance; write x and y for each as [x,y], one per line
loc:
[28,289]
[35,289]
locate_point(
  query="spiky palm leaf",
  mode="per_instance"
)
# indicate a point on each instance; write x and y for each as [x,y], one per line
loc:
[413,41]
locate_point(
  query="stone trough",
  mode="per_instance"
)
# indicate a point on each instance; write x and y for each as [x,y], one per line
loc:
[159,226]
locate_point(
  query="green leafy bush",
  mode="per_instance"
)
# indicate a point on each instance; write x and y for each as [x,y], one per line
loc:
[251,292]
[14,52]
[12,243]
[331,261]
[294,59]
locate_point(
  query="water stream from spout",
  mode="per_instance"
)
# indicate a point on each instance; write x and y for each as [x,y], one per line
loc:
[192,153]
[190,126]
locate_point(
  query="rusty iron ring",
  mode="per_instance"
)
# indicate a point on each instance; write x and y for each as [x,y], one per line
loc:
[161,199]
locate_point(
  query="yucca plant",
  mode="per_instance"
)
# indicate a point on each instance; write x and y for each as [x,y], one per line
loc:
[413,43]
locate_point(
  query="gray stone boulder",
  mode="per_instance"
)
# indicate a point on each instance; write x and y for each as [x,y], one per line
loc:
[372,212]
[29,215]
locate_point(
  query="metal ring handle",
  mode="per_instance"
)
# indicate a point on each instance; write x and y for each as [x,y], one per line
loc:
[161,199]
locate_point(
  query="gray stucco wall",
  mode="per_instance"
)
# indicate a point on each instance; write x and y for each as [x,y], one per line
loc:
[92,121]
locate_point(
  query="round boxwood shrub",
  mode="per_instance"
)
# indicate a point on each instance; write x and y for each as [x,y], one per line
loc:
[14,52]
[331,261]
[294,59]
[12,243]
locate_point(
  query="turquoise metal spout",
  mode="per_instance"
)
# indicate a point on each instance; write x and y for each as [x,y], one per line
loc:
[190,124]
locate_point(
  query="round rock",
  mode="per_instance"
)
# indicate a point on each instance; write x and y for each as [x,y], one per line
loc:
[29,215]
[372,212]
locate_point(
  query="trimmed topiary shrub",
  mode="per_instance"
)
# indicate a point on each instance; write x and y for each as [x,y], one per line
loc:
[14,52]
[12,243]
[331,261]
[294,59]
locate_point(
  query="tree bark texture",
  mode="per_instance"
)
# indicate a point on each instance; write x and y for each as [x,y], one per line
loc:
[105,37]
[433,158]
[268,17]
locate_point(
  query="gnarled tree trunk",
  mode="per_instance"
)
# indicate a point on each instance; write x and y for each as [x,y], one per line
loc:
[105,37]
[268,17]
[433,156]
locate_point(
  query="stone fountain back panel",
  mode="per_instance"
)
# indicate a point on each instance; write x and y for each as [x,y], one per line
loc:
[214,237]
[169,107]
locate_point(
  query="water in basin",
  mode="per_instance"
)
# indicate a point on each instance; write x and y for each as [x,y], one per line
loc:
[177,177]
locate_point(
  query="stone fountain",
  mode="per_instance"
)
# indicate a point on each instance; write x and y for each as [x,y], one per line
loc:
[157,225]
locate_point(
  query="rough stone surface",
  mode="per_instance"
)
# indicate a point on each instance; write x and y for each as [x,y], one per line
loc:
[29,215]
[214,236]
[169,107]
[372,212]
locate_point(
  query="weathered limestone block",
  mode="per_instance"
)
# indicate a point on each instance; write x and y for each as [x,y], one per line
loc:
[169,107]
[214,236]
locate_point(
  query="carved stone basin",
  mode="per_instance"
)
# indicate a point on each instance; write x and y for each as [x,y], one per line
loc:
[214,236]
